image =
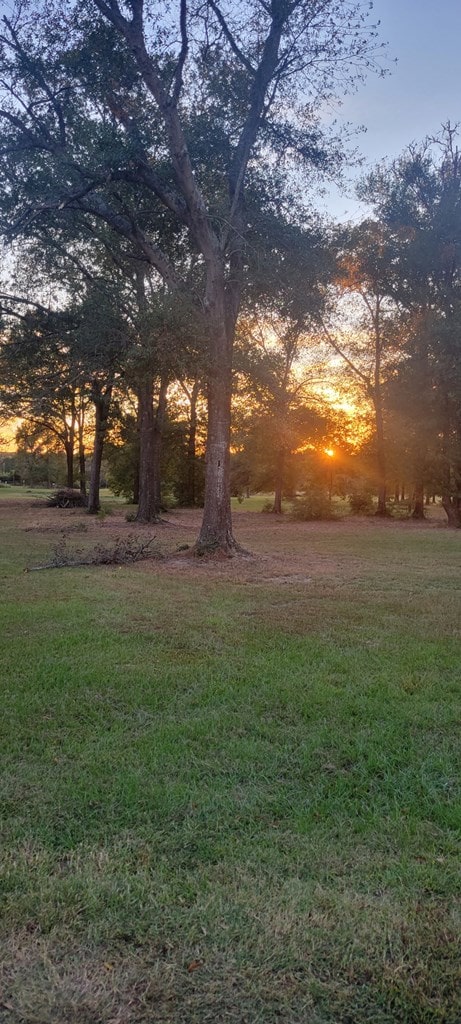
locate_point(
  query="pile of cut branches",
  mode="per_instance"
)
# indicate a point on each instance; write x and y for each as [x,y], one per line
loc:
[67,497]
[123,551]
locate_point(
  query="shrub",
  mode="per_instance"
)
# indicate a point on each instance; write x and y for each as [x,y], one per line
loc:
[313,505]
[361,503]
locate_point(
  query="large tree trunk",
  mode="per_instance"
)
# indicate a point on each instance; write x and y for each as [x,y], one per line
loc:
[147,511]
[216,529]
[452,507]
[102,406]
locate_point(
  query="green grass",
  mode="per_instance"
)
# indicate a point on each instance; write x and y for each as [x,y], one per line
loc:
[263,501]
[232,794]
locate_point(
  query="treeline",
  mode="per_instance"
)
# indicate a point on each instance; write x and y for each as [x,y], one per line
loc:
[168,291]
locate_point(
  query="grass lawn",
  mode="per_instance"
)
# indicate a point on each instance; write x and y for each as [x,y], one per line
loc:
[231,792]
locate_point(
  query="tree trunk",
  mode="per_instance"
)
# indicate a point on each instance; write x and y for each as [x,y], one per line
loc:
[147,511]
[279,471]
[451,471]
[381,460]
[81,465]
[418,501]
[216,529]
[379,418]
[79,416]
[69,446]
[102,406]
[158,424]
[136,483]
[190,495]
[452,507]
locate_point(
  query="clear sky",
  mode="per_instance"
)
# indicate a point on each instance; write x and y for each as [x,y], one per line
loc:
[423,89]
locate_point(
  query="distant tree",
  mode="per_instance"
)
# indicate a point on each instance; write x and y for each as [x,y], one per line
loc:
[42,381]
[364,328]
[285,411]
[186,441]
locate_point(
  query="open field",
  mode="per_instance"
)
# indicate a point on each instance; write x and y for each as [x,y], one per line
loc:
[231,791]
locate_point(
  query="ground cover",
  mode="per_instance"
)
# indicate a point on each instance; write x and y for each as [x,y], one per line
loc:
[231,791]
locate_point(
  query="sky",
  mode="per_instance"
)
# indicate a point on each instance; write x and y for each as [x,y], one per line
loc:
[422,91]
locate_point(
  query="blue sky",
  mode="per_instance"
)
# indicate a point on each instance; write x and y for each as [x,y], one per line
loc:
[423,89]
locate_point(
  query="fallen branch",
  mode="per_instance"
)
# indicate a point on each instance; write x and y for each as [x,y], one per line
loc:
[124,551]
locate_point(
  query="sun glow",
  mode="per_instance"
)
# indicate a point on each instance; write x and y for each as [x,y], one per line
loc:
[329,452]
[8,434]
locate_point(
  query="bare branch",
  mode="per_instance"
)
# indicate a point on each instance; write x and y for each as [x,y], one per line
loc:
[231,38]
[337,348]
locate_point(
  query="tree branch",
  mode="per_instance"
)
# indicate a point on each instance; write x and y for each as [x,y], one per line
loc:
[200,225]
[125,227]
[183,53]
[355,369]
[231,38]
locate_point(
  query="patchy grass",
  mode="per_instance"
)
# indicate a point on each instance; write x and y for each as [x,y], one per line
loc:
[231,793]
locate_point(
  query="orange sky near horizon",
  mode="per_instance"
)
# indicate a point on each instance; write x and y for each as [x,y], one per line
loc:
[8,435]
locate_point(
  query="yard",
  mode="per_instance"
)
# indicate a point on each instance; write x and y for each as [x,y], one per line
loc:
[231,790]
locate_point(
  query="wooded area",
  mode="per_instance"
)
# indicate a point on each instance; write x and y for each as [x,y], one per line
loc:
[173,306]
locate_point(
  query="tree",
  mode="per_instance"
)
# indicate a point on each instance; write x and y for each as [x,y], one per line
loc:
[42,380]
[102,338]
[188,101]
[366,334]
[283,416]
[419,199]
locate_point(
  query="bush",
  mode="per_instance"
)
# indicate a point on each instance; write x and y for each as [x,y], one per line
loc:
[311,506]
[361,503]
